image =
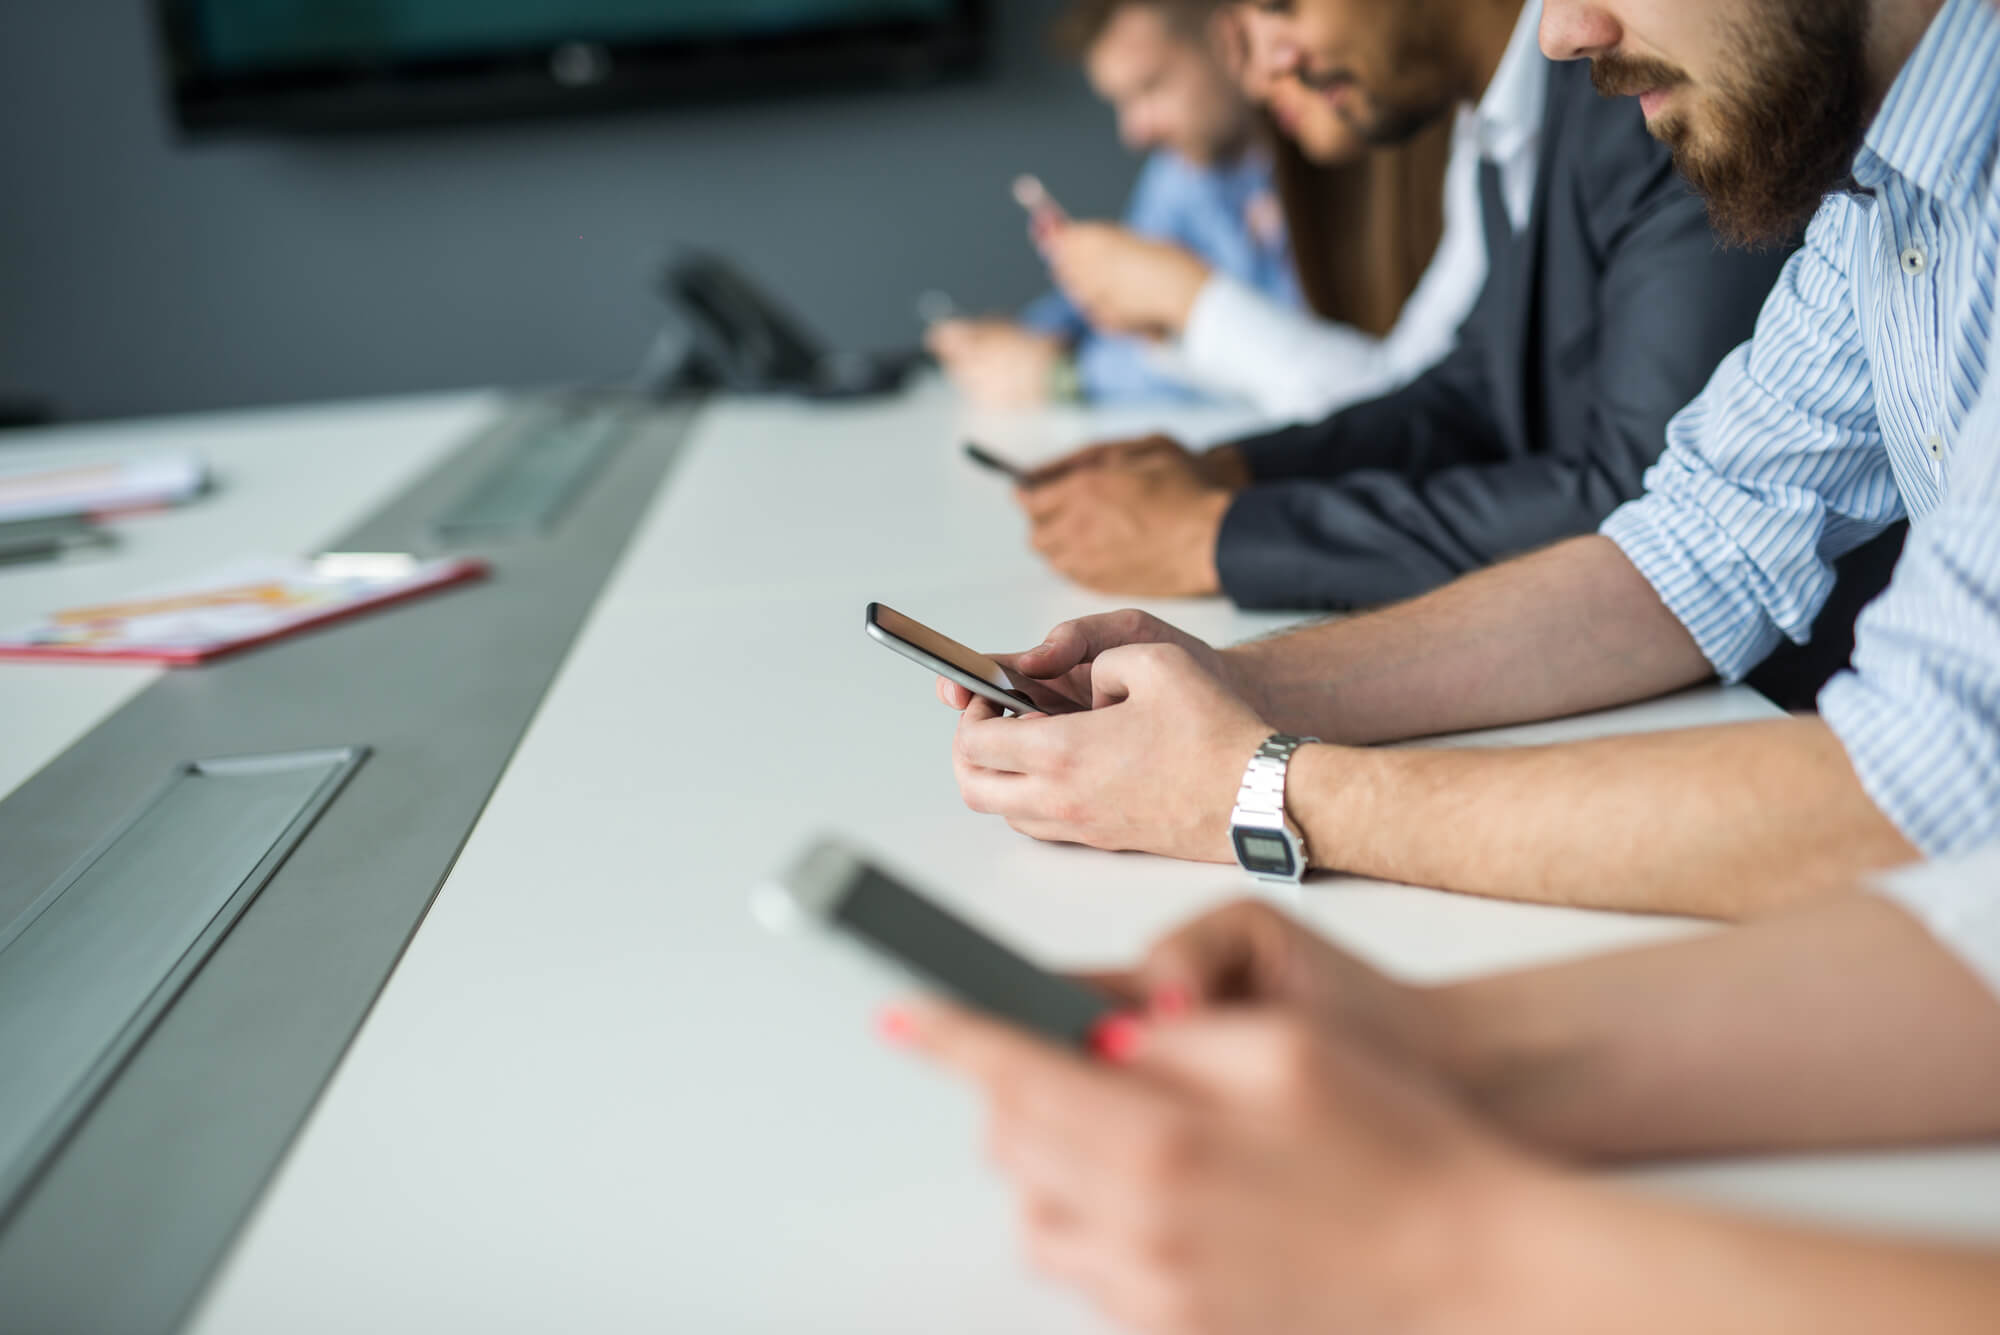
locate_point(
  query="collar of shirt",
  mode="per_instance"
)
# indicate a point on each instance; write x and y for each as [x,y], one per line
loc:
[1939,127]
[1229,184]
[1506,126]
[1246,175]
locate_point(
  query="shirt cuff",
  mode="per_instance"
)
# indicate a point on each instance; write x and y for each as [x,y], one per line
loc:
[1958,902]
[1927,766]
[1052,314]
[1224,307]
[1678,550]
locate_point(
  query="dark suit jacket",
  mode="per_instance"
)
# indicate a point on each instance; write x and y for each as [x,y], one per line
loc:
[1599,322]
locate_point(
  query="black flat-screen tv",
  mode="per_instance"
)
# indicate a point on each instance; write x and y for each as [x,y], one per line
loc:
[324,65]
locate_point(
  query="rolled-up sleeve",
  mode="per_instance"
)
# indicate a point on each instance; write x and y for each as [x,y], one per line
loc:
[1920,713]
[1958,902]
[1776,470]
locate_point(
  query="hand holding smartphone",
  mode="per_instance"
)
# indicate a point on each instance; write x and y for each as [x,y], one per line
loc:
[1044,214]
[831,887]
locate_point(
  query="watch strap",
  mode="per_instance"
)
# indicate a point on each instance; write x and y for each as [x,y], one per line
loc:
[1263,790]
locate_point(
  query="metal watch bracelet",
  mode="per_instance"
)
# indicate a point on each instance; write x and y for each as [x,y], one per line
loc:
[1259,814]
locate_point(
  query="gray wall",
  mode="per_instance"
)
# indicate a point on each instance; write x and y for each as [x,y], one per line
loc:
[140,274]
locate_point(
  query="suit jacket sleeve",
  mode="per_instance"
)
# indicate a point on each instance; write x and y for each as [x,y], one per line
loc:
[1393,498]
[1438,419]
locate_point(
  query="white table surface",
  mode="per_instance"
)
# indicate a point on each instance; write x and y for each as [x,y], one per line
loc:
[288,482]
[595,1095]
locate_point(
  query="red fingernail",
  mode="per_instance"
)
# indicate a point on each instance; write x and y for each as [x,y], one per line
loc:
[896,1027]
[1117,1037]
[1172,1001]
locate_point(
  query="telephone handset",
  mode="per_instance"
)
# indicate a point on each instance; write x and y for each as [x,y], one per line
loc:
[739,338]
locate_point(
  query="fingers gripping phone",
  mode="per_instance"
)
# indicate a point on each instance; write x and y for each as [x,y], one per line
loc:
[948,658]
[1041,206]
[832,887]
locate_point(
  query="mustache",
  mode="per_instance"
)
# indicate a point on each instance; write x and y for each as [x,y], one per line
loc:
[1618,76]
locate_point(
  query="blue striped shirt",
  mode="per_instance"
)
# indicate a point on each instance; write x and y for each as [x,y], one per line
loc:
[1849,409]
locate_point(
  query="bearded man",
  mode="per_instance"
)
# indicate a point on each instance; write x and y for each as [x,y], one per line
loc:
[1851,408]
[1608,303]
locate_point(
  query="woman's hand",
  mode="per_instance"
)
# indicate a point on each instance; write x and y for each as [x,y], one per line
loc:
[1239,1170]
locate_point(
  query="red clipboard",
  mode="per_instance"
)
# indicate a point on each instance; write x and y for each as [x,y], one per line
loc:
[236,609]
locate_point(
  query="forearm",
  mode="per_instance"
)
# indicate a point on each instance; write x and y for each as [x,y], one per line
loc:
[1585,1258]
[1289,363]
[1840,1023]
[1721,822]
[1568,630]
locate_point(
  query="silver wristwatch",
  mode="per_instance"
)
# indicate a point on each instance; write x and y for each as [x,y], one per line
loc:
[1268,845]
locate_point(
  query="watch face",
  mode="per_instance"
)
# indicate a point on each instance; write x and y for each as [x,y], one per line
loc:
[1263,853]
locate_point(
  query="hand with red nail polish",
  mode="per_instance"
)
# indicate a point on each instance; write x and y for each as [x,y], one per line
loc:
[1238,1170]
[1117,1038]
[896,1027]
[1172,1001]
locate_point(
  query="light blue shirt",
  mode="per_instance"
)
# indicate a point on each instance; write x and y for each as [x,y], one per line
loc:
[1851,408]
[1207,210]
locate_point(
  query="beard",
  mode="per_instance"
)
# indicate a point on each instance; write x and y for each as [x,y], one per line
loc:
[1395,111]
[1787,121]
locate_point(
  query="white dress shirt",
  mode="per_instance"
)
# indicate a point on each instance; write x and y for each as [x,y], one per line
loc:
[1298,367]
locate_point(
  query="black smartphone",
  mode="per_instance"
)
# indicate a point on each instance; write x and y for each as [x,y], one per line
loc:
[987,459]
[833,887]
[947,658]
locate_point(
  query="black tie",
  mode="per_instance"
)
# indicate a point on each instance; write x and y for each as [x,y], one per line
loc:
[1493,206]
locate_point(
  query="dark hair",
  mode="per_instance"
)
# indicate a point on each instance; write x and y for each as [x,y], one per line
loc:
[1364,232]
[1084,21]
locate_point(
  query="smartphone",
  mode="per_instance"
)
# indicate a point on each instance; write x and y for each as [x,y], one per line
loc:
[948,658]
[831,886]
[1032,195]
[987,459]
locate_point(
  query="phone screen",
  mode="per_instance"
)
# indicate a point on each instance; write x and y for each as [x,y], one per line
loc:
[965,962]
[920,636]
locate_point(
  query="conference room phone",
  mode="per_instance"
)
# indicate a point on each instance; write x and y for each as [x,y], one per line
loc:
[740,338]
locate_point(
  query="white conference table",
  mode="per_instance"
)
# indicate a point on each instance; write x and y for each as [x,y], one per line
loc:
[595,1095]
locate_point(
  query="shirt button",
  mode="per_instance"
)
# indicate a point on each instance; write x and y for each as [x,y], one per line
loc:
[1915,261]
[1935,444]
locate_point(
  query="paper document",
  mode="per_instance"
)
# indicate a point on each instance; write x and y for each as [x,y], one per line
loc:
[234,609]
[140,483]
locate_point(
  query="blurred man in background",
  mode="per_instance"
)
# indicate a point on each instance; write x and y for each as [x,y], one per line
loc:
[1609,302]
[1164,66]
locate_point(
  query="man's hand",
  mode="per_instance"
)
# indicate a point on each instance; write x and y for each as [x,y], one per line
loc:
[1138,518]
[1056,673]
[1153,767]
[1125,283]
[1222,466]
[1236,1171]
[997,364]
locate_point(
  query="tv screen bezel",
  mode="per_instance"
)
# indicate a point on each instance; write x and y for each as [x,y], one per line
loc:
[523,83]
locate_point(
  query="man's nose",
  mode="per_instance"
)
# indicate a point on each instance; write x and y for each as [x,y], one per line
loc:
[1579,29]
